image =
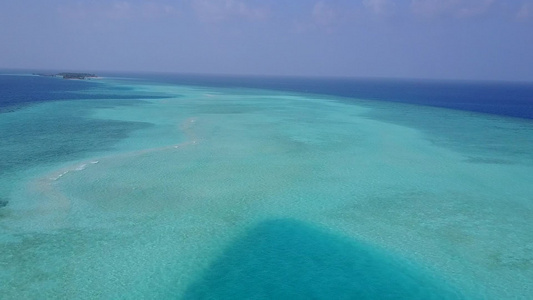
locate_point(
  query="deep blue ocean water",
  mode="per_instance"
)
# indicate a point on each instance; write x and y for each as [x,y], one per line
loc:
[20,90]
[513,99]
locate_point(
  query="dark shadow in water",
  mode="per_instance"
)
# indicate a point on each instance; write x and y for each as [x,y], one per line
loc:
[3,202]
[287,259]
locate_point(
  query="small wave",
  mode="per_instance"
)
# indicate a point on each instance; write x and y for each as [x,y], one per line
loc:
[59,176]
[81,167]
[94,162]
[78,168]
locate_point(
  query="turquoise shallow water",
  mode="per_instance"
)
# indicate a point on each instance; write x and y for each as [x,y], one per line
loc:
[236,193]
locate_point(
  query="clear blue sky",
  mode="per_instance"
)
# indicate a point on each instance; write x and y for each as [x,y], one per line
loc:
[440,39]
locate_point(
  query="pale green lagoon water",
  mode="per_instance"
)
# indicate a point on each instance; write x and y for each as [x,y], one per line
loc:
[252,194]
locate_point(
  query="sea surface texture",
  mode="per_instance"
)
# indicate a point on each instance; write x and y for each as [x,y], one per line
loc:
[188,187]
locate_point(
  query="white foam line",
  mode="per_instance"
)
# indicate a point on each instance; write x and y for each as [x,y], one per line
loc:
[59,176]
[84,165]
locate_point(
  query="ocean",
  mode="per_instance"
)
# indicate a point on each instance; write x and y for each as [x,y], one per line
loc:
[161,186]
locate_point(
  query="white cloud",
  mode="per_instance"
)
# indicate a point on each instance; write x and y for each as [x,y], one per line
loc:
[323,14]
[380,7]
[115,10]
[455,8]
[525,12]
[213,11]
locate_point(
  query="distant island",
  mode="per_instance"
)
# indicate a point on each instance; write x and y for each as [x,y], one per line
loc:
[69,75]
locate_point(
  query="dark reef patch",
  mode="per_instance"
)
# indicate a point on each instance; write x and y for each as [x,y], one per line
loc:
[3,202]
[288,259]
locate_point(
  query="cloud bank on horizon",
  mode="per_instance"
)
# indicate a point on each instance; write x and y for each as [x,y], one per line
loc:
[452,39]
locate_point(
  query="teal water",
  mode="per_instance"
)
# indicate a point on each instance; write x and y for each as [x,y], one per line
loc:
[231,193]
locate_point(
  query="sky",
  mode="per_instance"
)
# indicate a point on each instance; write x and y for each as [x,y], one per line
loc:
[429,39]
